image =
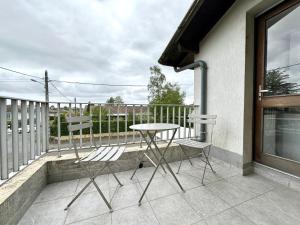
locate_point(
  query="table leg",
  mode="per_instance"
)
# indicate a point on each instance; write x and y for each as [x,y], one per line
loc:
[162,158]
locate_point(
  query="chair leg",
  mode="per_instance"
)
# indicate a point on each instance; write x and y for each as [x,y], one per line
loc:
[207,160]
[183,152]
[180,162]
[102,196]
[114,175]
[202,181]
[79,193]
[137,167]
[186,155]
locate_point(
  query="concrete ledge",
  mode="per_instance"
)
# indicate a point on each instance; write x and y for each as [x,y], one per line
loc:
[278,176]
[17,194]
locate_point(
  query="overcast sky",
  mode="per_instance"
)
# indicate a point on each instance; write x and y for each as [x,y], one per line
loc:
[98,41]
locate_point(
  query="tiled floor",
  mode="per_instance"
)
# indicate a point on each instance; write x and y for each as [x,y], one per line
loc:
[227,198]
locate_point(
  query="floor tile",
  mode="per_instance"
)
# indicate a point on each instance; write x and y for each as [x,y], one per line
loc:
[230,193]
[229,217]
[102,182]
[187,181]
[253,183]
[204,201]
[262,211]
[46,213]
[226,170]
[124,178]
[104,219]
[127,195]
[202,222]
[136,215]
[288,200]
[144,174]
[173,210]
[158,188]
[197,174]
[57,191]
[87,205]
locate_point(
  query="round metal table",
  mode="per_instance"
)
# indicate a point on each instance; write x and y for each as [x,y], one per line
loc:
[150,130]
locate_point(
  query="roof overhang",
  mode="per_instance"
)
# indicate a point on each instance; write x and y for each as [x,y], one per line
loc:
[199,20]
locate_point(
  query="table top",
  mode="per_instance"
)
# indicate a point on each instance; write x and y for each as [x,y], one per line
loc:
[154,126]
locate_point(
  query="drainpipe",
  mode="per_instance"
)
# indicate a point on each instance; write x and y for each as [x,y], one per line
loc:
[203,88]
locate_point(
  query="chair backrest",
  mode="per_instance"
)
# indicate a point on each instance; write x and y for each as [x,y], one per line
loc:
[204,123]
[77,123]
[81,122]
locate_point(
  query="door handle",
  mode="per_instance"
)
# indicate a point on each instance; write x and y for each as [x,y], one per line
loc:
[261,91]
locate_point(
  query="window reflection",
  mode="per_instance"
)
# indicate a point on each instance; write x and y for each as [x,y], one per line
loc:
[282,76]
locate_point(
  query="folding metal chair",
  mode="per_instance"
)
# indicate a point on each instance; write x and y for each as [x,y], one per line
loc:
[207,122]
[107,154]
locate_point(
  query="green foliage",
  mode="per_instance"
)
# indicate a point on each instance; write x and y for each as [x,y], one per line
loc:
[276,83]
[162,92]
[116,100]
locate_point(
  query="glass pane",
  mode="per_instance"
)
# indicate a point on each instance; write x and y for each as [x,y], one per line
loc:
[281,132]
[282,76]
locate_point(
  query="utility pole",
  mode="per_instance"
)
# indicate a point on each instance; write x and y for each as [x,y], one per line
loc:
[47,109]
[46,87]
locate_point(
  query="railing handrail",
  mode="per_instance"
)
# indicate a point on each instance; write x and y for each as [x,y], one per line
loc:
[22,99]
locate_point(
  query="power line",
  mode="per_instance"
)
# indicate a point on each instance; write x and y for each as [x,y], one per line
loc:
[5,81]
[60,92]
[20,73]
[101,84]
[283,67]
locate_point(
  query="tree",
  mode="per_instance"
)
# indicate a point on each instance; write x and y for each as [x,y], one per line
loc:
[161,91]
[116,100]
[276,83]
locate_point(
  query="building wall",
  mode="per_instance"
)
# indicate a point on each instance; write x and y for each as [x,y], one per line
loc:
[228,50]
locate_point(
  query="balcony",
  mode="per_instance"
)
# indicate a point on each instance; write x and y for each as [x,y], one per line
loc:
[38,176]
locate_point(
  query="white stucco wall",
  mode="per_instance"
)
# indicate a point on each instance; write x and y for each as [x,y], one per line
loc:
[226,52]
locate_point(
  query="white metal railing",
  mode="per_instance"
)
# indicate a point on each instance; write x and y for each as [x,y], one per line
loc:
[23,136]
[30,128]
[111,122]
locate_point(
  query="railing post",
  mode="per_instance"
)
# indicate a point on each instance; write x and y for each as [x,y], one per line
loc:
[126,116]
[91,128]
[179,115]
[70,115]
[100,128]
[161,120]
[47,127]
[3,141]
[24,131]
[118,121]
[38,128]
[184,120]
[80,132]
[168,121]
[15,134]
[109,126]
[44,131]
[58,130]
[133,121]
[31,130]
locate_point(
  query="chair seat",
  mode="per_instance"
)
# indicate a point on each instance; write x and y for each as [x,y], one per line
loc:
[192,143]
[107,153]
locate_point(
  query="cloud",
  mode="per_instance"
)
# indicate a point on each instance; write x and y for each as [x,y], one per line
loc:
[107,41]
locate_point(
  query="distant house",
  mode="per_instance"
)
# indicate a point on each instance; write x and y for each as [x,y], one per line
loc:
[246,60]
[123,111]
